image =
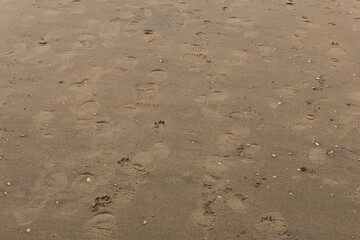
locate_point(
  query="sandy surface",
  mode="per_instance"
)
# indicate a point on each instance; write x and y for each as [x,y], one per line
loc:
[242,93]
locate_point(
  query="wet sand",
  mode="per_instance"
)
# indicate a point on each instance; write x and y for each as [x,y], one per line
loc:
[179,120]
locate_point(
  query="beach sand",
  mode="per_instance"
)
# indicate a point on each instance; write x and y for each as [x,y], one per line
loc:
[227,119]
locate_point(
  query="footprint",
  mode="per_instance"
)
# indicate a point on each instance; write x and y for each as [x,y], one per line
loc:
[150,158]
[274,226]
[238,24]
[157,75]
[127,63]
[228,143]
[194,53]
[226,66]
[214,168]
[50,181]
[146,93]
[267,53]
[205,215]
[212,102]
[26,214]
[235,202]
[240,55]
[68,202]
[42,119]
[101,226]
[87,182]
[287,92]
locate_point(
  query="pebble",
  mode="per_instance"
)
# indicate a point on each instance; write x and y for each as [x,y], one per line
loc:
[273,155]
[88,179]
[88,165]
[303,169]
[1,157]
[317,144]
[161,61]
[248,144]
[8,183]
[28,230]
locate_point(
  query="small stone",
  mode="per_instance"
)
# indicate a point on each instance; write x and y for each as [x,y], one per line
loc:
[61,81]
[161,61]
[28,230]
[317,144]
[248,144]
[314,88]
[5,193]
[273,155]
[144,222]
[8,184]
[303,169]
[88,165]
[88,179]
[279,103]
[1,157]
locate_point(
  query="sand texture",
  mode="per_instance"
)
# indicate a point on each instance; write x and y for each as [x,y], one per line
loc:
[179,120]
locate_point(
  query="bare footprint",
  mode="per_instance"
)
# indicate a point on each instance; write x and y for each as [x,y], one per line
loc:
[151,157]
[212,102]
[50,181]
[235,202]
[28,213]
[101,226]
[215,169]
